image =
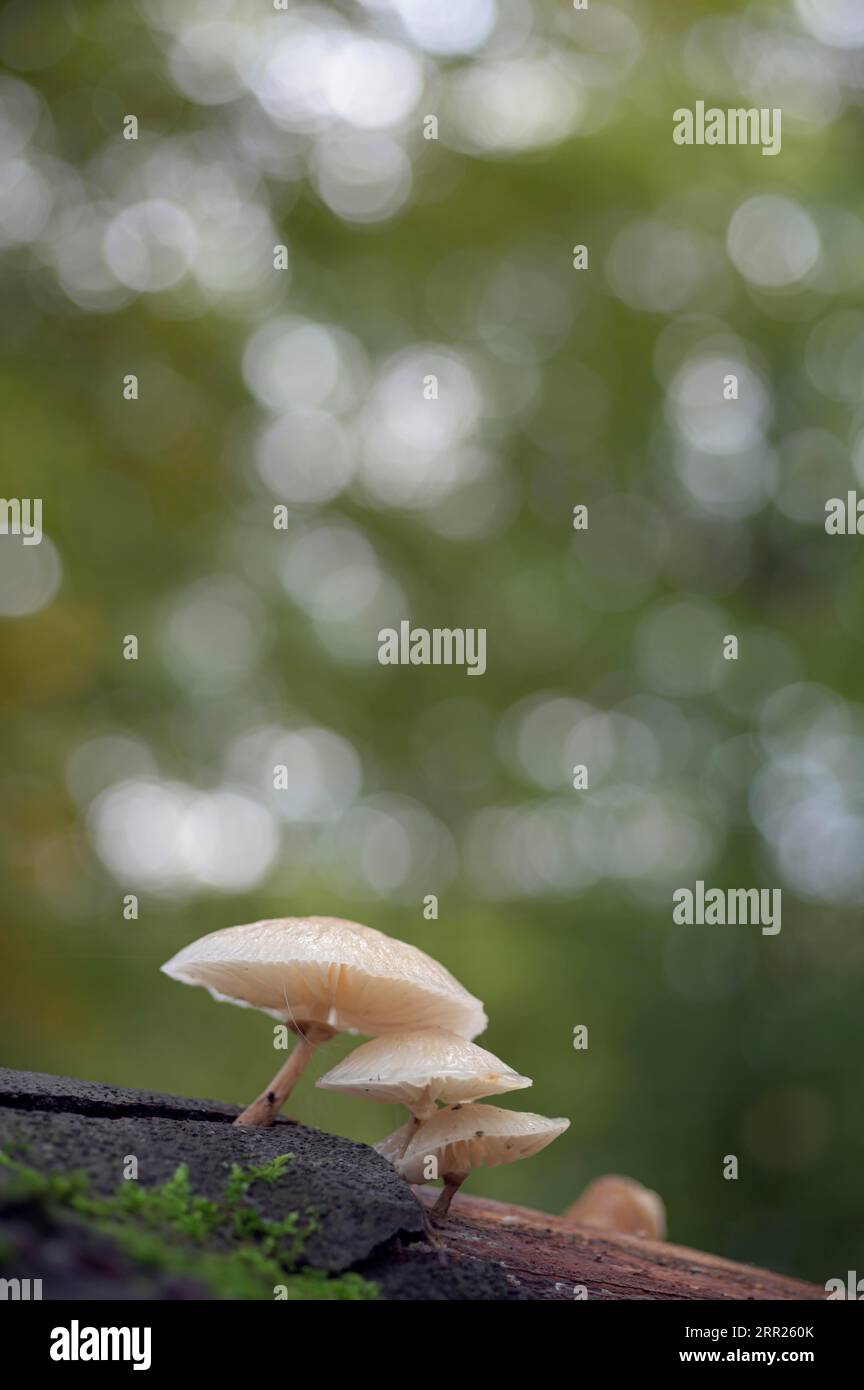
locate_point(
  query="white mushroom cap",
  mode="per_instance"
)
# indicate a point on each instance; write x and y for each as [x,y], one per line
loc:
[420,1066]
[325,969]
[473,1136]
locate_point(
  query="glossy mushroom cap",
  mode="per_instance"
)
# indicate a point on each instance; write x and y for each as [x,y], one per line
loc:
[325,969]
[613,1203]
[466,1137]
[420,1066]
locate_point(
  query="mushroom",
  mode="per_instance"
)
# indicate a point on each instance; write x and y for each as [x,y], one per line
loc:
[393,1147]
[322,975]
[464,1137]
[613,1203]
[417,1068]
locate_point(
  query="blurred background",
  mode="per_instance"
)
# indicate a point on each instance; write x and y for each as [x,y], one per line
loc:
[303,387]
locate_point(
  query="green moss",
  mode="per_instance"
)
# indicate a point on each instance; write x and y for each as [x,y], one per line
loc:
[50,1188]
[18,1147]
[227,1245]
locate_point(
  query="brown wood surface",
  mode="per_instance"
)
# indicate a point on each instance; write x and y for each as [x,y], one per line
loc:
[551,1258]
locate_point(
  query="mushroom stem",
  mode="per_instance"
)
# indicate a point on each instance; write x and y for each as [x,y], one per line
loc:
[415,1123]
[452,1183]
[266,1107]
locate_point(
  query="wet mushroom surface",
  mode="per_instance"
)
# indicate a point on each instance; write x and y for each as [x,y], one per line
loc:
[321,976]
[461,1138]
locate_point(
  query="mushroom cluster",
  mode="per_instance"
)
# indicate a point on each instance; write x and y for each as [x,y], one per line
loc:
[321,976]
[422,1067]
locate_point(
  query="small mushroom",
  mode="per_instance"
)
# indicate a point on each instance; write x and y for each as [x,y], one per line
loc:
[417,1068]
[464,1137]
[613,1203]
[320,976]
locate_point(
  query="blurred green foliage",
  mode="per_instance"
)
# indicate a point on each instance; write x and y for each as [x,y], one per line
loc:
[704,1042]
